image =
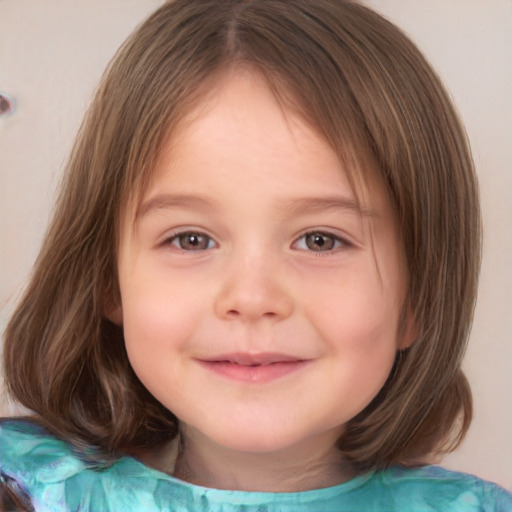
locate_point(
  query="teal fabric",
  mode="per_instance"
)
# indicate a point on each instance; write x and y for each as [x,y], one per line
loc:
[57,480]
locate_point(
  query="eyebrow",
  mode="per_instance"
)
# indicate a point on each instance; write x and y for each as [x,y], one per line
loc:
[309,205]
[306,205]
[169,201]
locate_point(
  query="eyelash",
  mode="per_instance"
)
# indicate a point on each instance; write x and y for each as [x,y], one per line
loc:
[175,239]
[337,242]
[333,242]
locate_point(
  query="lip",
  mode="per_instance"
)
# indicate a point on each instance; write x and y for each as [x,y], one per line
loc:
[253,368]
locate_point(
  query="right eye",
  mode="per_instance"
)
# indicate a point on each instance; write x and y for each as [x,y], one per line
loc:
[320,242]
[190,241]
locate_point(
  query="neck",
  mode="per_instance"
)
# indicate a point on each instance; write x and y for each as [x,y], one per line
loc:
[292,470]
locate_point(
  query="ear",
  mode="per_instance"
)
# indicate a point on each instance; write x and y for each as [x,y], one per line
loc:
[407,330]
[113,311]
[115,315]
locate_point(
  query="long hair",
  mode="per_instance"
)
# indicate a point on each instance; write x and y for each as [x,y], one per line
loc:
[364,86]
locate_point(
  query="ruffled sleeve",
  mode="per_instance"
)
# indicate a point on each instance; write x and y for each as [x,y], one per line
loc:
[436,488]
[494,497]
[36,465]
[54,478]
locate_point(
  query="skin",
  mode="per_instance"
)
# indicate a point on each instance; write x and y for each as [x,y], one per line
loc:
[248,245]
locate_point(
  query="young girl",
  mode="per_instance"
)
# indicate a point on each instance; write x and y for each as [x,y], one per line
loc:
[259,279]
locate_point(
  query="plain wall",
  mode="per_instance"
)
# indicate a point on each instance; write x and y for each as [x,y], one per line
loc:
[53,52]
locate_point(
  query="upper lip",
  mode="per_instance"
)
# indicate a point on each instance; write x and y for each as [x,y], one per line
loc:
[258,359]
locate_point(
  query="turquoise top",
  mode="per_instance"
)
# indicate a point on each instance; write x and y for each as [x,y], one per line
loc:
[56,480]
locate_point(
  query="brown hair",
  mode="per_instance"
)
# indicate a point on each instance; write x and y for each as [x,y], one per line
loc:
[363,85]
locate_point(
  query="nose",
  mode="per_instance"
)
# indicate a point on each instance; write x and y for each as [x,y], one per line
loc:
[252,289]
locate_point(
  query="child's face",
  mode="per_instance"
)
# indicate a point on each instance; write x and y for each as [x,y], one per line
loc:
[259,303]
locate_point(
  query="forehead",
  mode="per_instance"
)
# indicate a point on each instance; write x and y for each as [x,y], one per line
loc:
[268,124]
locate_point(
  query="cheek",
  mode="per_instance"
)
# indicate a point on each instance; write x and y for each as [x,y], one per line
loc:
[358,321]
[362,340]
[358,311]
[157,321]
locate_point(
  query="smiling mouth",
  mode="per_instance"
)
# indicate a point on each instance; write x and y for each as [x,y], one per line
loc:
[253,368]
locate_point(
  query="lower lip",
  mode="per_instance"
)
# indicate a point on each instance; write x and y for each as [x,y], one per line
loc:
[254,374]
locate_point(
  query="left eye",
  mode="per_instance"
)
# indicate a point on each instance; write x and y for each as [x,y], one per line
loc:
[191,241]
[317,241]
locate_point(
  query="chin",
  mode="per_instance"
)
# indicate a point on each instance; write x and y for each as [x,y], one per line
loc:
[250,440]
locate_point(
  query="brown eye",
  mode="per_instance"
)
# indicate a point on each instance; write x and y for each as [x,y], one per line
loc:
[321,242]
[192,241]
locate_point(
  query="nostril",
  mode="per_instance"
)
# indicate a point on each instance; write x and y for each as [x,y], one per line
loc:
[234,313]
[241,303]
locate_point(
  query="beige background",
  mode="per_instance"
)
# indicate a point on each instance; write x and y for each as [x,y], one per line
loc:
[52,53]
